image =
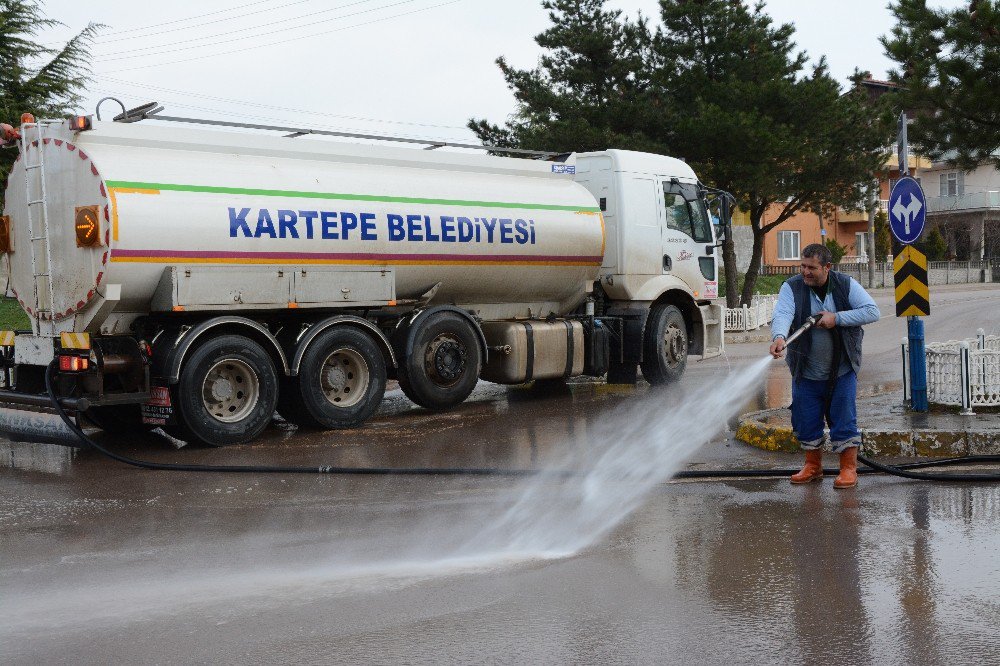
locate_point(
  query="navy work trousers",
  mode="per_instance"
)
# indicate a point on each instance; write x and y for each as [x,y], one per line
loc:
[809,412]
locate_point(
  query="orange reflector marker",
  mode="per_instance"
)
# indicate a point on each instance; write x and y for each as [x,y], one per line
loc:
[75,340]
[27,118]
[88,226]
[73,363]
[81,123]
[5,245]
[293,305]
[392,302]
[178,308]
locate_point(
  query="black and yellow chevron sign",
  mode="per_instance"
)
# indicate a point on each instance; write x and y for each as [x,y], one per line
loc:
[909,270]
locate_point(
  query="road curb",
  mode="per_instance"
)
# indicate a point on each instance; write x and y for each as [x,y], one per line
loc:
[767,430]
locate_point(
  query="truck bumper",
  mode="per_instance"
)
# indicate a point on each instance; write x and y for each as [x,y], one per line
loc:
[712,321]
[24,419]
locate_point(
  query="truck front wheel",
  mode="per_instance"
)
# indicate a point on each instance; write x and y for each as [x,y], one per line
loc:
[227,392]
[444,365]
[341,381]
[665,345]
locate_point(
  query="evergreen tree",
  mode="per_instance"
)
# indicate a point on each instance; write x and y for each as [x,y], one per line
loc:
[949,65]
[586,92]
[934,245]
[35,79]
[753,119]
[717,84]
[836,249]
[883,236]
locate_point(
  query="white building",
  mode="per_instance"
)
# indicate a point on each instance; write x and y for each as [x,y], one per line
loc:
[965,206]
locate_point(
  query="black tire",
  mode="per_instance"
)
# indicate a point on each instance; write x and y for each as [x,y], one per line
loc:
[665,345]
[339,361]
[445,363]
[119,419]
[215,400]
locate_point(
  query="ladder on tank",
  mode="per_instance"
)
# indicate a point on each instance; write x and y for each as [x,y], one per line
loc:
[43,320]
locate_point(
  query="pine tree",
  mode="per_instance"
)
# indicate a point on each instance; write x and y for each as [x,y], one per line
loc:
[753,119]
[949,65]
[716,84]
[35,79]
[586,92]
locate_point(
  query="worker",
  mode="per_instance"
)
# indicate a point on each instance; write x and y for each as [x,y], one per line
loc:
[824,361]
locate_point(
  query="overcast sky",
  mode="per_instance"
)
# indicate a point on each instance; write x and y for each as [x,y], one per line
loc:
[417,68]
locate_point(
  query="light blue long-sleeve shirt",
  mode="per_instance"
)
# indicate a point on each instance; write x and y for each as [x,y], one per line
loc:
[863,311]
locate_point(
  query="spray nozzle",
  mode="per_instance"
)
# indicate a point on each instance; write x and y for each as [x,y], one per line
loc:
[810,322]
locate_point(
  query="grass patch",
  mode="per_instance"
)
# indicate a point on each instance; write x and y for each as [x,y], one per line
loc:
[766,284]
[12,317]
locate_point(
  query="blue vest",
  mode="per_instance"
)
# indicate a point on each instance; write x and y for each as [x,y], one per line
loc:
[850,336]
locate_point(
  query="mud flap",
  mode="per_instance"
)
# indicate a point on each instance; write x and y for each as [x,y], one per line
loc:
[43,427]
[159,409]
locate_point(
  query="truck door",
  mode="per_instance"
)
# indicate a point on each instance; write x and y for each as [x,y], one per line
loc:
[686,234]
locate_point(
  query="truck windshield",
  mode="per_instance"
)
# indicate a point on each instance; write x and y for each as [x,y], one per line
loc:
[686,211]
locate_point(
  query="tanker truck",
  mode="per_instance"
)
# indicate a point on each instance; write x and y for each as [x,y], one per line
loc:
[203,279]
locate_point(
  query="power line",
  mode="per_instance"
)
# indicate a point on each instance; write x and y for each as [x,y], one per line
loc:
[259,46]
[237,31]
[267,34]
[192,18]
[243,116]
[244,103]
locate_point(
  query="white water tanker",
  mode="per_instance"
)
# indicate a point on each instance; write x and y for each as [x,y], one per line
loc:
[200,279]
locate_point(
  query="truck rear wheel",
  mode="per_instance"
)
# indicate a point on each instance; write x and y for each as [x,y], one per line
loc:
[341,381]
[665,345]
[444,366]
[227,392]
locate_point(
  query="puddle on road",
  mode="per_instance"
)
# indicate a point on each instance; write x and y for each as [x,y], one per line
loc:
[639,443]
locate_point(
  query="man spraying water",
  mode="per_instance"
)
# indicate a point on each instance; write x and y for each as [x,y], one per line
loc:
[824,359]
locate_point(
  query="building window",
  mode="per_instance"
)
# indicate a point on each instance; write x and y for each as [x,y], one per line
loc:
[952,184]
[788,245]
[861,244]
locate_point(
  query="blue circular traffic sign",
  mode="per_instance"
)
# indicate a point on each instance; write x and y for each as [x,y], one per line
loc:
[907,210]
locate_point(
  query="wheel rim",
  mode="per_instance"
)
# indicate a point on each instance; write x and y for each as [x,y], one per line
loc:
[231,390]
[673,345]
[344,377]
[445,359]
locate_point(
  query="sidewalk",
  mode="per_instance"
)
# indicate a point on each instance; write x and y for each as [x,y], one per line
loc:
[887,430]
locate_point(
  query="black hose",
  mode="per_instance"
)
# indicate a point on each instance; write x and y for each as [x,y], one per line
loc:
[874,467]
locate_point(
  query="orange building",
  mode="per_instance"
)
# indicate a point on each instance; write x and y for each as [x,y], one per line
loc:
[783,245]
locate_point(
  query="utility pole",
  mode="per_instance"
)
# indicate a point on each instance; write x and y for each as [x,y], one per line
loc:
[872,209]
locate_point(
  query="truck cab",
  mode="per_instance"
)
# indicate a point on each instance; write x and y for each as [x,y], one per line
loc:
[660,244]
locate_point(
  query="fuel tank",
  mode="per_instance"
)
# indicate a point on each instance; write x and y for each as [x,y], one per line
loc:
[125,202]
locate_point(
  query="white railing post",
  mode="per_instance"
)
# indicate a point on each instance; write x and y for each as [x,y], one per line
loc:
[966,380]
[746,319]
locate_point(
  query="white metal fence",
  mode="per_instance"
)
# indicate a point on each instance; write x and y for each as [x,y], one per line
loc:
[965,373]
[751,317]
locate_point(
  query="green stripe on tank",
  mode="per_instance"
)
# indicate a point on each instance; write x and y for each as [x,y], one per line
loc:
[213,189]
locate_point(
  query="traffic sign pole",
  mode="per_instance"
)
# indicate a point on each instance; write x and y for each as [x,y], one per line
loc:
[918,364]
[911,217]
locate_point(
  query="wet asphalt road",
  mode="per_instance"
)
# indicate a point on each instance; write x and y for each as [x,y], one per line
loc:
[103,563]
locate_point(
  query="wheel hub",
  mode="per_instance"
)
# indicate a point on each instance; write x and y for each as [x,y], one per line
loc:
[334,378]
[673,344]
[230,390]
[446,359]
[222,389]
[344,377]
